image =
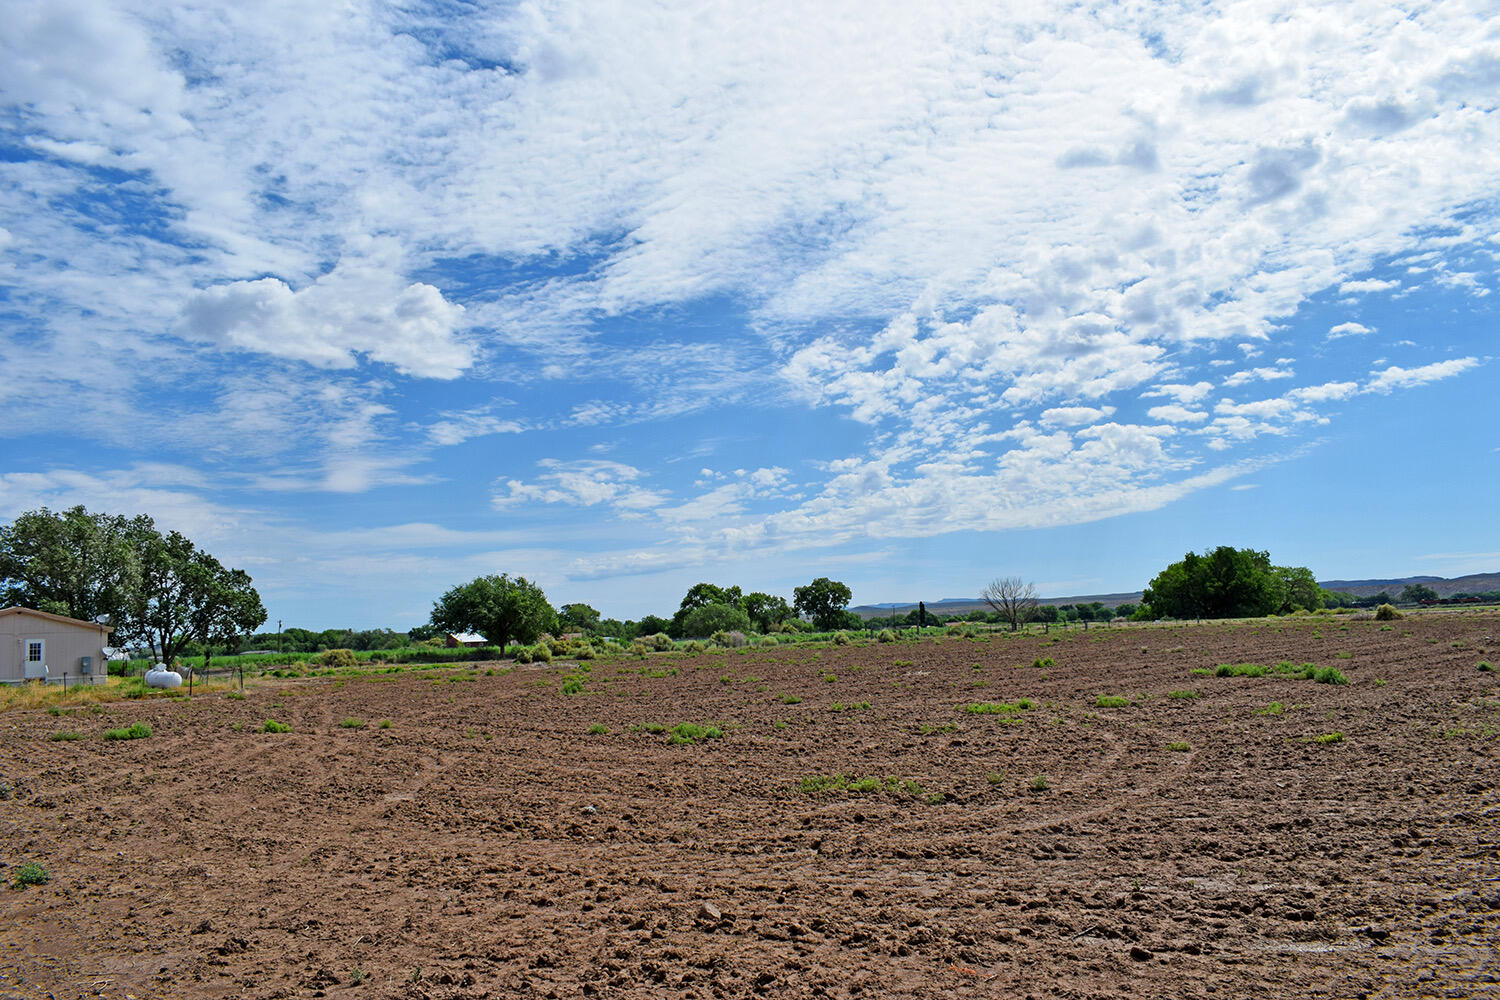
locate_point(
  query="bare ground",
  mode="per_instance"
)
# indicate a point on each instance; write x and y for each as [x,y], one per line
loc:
[487,844]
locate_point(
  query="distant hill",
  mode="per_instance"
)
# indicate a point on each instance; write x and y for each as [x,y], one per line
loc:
[1471,584]
[1474,583]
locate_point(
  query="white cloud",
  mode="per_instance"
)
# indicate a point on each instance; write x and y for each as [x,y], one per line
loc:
[1074,416]
[1175,414]
[1350,329]
[1395,377]
[1257,375]
[1367,285]
[1328,391]
[353,310]
[582,483]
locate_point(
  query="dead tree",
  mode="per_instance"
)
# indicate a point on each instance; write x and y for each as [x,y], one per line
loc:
[1013,599]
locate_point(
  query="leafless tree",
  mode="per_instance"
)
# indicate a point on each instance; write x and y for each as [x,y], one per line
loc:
[1013,599]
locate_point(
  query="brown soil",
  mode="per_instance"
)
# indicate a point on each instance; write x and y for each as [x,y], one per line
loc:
[487,845]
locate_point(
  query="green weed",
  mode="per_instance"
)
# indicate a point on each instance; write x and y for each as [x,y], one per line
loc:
[138,731]
[30,873]
[1182,695]
[272,726]
[352,723]
[1275,708]
[691,732]
[999,708]
[1180,746]
[66,735]
[1039,783]
[1111,701]
[598,729]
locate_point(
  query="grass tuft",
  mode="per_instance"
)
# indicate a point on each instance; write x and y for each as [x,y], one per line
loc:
[137,731]
[272,726]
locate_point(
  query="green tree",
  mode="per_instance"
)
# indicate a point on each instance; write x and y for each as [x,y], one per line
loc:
[701,595]
[1416,593]
[823,601]
[1223,583]
[186,595]
[226,606]
[765,610]
[710,618]
[650,625]
[578,617]
[1298,589]
[73,563]
[500,608]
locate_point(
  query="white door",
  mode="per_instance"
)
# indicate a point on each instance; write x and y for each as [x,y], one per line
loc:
[34,659]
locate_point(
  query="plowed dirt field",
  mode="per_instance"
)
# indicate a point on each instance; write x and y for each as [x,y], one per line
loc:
[1186,835]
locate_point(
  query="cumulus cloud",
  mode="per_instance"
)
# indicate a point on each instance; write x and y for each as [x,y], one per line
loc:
[353,310]
[1350,329]
[1396,377]
[1074,416]
[1267,374]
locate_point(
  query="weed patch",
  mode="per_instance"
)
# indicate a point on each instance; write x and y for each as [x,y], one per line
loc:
[138,731]
[1182,695]
[67,735]
[1112,701]
[30,873]
[272,726]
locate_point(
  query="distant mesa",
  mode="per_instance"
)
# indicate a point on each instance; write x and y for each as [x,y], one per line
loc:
[1474,583]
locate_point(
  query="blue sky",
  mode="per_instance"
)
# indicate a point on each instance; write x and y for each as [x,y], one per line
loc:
[370,299]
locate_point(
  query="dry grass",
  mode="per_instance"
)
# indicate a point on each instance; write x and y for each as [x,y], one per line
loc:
[13,696]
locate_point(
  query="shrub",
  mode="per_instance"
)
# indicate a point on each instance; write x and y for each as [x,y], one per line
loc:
[31,873]
[767,640]
[1387,613]
[732,640]
[841,639]
[1182,695]
[1178,746]
[886,635]
[584,651]
[272,726]
[352,723]
[338,658]
[692,732]
[1111,701]
[572,684]
[1327,675]
[541,653]
[598,729]
[138,731]
[1486,666]
[1326,738]
[557,647]
[523,655]
[695,646]
[639,649]
[65,736]
[661,642]
[1044,662]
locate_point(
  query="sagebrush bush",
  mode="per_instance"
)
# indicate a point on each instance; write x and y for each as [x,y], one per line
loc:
[1387,613]
[886,635]
[523,655]
[694,646]
[732,639]
[541,653]
[767,640]
[661,642]
[841,639]
[557,647]
[640,649]
[338,658]
[584,651]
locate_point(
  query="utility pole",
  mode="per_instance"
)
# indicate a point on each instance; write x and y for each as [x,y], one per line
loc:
[278,635]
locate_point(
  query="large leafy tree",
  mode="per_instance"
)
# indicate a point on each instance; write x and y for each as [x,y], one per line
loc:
[823,601]
[765,610]
[1298,589]
[578,617]
[1223,583]
[72,563]
[186,595]
[711,618]
[500,608]
[153,588]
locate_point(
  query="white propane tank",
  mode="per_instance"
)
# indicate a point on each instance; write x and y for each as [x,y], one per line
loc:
[161,677]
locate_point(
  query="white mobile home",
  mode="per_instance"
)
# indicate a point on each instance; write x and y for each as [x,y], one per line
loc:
[35,645]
